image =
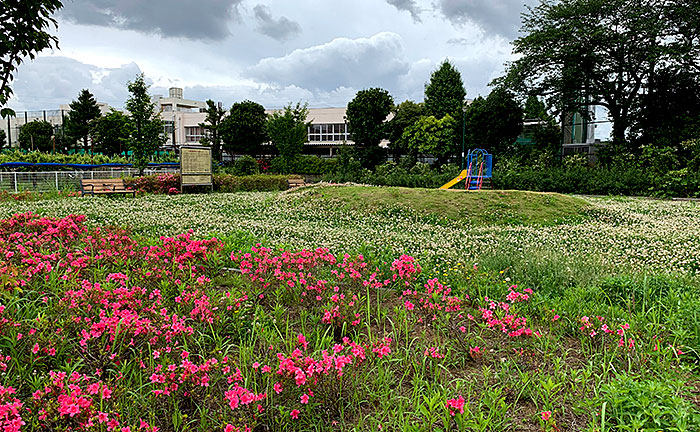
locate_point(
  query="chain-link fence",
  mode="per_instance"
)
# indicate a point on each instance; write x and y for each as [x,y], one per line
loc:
[63,180]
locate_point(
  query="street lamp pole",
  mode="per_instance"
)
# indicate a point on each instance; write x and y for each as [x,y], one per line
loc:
[464,127]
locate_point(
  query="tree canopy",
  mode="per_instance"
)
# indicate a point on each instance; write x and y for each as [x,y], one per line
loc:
[147,127]
[36,135]
[110,133]
[79,121]
[445,93]
[581,53]
[494,123]
[243,130]
[366,115]
[405,115]
[215,115]
[24,28]
[288,129]
[430,135]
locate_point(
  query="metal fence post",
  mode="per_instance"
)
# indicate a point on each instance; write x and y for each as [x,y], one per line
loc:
[56,180]
[15,182]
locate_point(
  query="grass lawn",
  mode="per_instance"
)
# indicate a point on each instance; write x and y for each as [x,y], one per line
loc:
[350,308]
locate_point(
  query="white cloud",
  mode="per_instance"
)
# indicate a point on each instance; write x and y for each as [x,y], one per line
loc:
[48,82]
[343,62]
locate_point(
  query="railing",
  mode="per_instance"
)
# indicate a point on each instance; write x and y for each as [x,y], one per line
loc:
[16,181]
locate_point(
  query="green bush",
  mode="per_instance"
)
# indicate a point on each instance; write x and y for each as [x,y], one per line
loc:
[303,164]
[170,183]
[41,157]
[634,404]
[574,178]
[229,183]
[246,165]
[391,174]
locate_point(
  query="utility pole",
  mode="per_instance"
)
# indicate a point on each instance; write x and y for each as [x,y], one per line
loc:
[464,127]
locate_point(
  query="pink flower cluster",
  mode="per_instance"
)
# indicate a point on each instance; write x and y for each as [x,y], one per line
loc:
[455,405]
[321,278]
[10,410]
[498,315]
[598,327]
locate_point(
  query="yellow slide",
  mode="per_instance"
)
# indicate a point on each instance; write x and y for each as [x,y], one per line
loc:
[463,175]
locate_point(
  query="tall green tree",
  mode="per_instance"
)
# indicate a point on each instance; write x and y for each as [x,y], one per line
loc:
[243,130]
[288,129]
[669,113]
[405,115]
[445,93]
[430,135]
[366,115]
[110,133]
[581,53]
[79,121]
[215,115]
[146,125]
[3,139]
[24,27]
[36,135]
[494,123]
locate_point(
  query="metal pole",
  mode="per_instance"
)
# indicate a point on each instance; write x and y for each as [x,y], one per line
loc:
[56,180]
[15,182]
[464,127]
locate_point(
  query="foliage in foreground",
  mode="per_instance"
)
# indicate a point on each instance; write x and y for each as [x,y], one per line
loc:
[100,331]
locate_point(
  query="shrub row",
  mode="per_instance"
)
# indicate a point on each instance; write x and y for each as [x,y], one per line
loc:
[41,157]
[170,183]
[578,179]
[601,181]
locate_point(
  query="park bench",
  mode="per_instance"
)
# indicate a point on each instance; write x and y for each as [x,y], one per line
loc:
[104,187]
[295,182]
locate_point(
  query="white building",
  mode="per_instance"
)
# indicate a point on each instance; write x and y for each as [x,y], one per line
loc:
[328,130]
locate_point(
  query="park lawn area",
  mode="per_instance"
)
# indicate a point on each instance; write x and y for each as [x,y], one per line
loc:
[350,308]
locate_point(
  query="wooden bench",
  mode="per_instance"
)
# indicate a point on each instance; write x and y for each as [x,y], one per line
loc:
[295,182]
[104,187]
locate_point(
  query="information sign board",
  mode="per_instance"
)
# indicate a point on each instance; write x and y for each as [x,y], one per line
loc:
[195,166]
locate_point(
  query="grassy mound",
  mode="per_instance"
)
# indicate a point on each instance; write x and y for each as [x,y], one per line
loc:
[482,207]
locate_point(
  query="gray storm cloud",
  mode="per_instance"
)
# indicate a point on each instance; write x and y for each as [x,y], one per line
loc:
[409,6]
[500,17]
[192,19]
[279,29]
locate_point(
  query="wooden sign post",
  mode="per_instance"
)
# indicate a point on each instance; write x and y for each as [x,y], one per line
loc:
[195,167]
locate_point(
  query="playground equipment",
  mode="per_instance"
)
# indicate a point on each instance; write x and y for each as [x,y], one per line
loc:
[479,168]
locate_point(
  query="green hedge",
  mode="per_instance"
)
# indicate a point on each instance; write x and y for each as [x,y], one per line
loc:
[259,182]
[170,183]
[41,157]
[577,179]
[391,174]
[303,164]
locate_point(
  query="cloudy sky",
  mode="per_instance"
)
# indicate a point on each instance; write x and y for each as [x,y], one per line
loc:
[272,52]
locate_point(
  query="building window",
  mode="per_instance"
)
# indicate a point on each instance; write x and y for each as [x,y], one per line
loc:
[328,132]
[193,134]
